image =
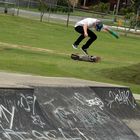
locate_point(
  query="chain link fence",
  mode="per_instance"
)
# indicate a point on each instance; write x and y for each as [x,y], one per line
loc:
[7,7]
[51,12]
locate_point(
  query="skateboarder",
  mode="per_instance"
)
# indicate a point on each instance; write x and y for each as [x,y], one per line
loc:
[83,27]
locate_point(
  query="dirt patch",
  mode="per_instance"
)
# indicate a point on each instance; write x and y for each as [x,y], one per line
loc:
[9,45]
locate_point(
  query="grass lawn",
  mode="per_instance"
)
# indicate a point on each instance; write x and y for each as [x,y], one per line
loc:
[40,48]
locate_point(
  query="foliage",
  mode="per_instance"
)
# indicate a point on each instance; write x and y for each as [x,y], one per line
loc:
[136,5]
[55,9]
[101,7]
[129,13]
[42,8]
[62,6]
[127,10]
[134,22]
[62,2]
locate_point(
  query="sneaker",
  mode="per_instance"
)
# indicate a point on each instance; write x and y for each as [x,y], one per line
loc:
[74,46]
[84,51]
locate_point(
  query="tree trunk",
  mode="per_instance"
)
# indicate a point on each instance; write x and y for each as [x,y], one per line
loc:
[84,4]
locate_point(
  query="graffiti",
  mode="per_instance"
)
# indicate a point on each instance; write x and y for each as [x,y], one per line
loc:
[65,117]
[97,102]
[22,135]
[122,97]
[28,104]
[6,115]
[89,102]
[67,136]
[44,135]
[37,120]
[74,116]
[89,117]
[80,135]
[9,134]
[86,111]
[50,103]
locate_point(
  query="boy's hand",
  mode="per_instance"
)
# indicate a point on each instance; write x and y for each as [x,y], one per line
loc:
[86,34]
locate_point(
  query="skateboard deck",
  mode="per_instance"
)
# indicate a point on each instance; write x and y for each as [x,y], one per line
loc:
[87,58]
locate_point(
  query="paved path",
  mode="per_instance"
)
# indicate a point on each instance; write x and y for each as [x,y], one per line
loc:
[24,80]
[20,80]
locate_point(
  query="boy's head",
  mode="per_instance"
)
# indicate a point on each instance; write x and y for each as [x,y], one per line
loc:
[99,26]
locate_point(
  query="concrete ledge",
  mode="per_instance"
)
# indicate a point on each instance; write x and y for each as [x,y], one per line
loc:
[14,79]
[26,80]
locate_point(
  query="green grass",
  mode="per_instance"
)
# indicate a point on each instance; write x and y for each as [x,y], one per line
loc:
[120,57]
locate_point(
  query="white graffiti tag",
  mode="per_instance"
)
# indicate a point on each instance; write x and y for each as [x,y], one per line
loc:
[28,104]
[122,97]
[7,115]
[96,101]
[89,102]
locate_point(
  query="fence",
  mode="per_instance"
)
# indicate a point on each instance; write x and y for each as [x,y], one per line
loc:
[7,7]
[63,15]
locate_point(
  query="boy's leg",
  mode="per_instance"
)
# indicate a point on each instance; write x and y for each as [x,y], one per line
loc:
[92,38]
[80,30]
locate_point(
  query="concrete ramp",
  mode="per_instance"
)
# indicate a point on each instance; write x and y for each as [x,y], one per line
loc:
[58,113]
[21,117]
[81,110]
[119,101]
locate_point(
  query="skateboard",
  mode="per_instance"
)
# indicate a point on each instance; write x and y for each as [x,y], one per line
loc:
[87,58]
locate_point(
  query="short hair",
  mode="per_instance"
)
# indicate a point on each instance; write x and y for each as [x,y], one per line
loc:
[99,26]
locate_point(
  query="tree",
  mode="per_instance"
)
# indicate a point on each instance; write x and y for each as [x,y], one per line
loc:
[42,8]
[136,4]
[63,2]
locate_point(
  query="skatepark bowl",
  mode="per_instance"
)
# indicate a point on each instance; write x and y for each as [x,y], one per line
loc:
[67,112]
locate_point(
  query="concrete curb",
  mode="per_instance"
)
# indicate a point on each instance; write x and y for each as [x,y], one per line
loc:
[25,80]
[136,96]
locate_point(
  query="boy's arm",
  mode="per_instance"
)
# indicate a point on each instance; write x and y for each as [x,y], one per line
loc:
[85,26]
[106,28]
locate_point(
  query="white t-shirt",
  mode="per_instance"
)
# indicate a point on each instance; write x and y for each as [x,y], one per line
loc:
[89,21]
